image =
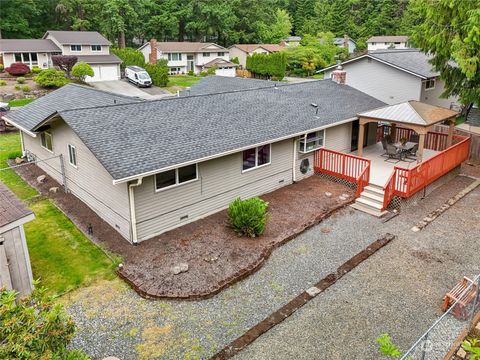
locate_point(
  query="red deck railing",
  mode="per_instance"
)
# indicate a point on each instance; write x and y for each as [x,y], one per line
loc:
[433,141]
[406,182]
[344,166]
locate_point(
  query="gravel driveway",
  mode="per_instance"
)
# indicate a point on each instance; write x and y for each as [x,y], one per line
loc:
[397,290]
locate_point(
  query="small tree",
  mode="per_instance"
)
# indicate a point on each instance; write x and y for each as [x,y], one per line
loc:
[51,78]
[248,217]
[18,69]
[129,57]
[35,328]
[81,70]
[158,72]
[64,62]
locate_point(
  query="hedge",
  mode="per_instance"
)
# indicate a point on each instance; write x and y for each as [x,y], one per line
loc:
[268,65]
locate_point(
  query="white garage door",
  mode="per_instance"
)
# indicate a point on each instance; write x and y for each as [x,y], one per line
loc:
[104,73]
[230,72]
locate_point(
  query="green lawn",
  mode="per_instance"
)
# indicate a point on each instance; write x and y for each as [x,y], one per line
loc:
[180,82]
[19,102]
[61,256]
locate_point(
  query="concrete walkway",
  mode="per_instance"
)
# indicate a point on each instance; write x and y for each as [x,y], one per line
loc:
[397,291]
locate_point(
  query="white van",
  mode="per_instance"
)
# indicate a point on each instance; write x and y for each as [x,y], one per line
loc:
[138,76]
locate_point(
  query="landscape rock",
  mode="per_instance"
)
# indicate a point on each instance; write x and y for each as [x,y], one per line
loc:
[328,194]
[19,160]
[342,198]
[461,353]
[325,230]
[180,268]
[345,195]
[41,179]
[8,97]
[53,189]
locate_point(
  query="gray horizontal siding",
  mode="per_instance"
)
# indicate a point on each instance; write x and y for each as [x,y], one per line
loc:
[220,181]
[90,182]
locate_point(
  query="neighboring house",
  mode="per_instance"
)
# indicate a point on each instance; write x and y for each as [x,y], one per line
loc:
[223,67]
[15,269]
[32,52]
[90,47]
[343,42]
[189,156]
[183,56]
[242,51]
[395,76]
[387,42]
[87,46]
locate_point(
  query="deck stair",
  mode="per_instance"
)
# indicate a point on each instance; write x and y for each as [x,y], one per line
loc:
[371,200]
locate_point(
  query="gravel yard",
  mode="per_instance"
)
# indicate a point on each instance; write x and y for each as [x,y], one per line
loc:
[398,290]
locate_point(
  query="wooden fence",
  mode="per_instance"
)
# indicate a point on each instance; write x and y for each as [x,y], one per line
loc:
[474,139]
[406,182]
[344,166]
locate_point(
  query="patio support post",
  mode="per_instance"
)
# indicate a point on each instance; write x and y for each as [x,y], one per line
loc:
[421,145]
[361,135]
[393,132]
[451,128]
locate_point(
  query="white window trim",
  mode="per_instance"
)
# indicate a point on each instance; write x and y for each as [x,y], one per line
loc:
[207,54]
[51,141]
[430,88]
[71,48]
[256,159]
[69,159]
[315,149]
[177,184]
[91,47]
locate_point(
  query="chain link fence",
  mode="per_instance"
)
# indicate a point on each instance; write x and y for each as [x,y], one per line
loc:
[439,339]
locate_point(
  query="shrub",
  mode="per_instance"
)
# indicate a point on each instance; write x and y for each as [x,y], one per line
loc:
[158,72]
[3,83]
[64,62]
[81,70]
[211,71]
[191,73]
[25,88]
[203,73]
[2,67]
[35,328]
[18,69]
[248,217]
[18,87]
[235,60]
[129,57]
[21,80]
[36,70]
[51,78]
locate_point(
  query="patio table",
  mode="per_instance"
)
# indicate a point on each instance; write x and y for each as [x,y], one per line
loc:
[407,147]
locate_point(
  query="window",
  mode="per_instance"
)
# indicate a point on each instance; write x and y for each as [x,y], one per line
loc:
[76,47]
[29,59]
[174,70]
[18,57]
[374,43]
[312,141]
[430,84]
[221,54]
[174,57]
[256,157]
[96,48]
[176,177]
[46,140]
[206,54]
[72,155]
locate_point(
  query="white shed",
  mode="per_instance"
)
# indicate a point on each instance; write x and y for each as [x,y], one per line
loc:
[15,269]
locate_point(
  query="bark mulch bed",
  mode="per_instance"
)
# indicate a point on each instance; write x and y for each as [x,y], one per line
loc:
[215,254]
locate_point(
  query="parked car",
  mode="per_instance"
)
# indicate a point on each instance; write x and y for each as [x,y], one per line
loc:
[4,106]
[138,76]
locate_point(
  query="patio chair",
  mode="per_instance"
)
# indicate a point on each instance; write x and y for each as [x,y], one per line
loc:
[393,154]
[389,139]
[384,145]
[412,153]
[414,138]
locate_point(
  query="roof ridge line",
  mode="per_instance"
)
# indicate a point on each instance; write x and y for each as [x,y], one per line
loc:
[416,112]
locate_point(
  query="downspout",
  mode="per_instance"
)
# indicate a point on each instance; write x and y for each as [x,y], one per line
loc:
[133,218]
[294,166]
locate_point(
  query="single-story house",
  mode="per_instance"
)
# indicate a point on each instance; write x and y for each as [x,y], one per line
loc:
[183,56]
[188,156]
[387,42]
[395,76]
[242,51]
[32,52]
[15,269]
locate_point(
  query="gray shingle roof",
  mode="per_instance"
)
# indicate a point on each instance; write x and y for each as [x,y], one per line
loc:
[218,84]
[412,60]
[388,38]
[11,208]
[28,45]
[78,37]
[187,129]
[100,59]
[70,96]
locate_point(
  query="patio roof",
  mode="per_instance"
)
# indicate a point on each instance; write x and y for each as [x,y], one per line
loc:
[411,112]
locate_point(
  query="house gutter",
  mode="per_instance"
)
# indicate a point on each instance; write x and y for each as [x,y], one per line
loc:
[133,218]
[19,127]
[294,175]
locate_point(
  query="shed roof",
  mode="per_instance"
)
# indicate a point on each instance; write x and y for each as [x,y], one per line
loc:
[411,112]
[70,96]
[183,130]
[78,37]
[11,208]
[30,45]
